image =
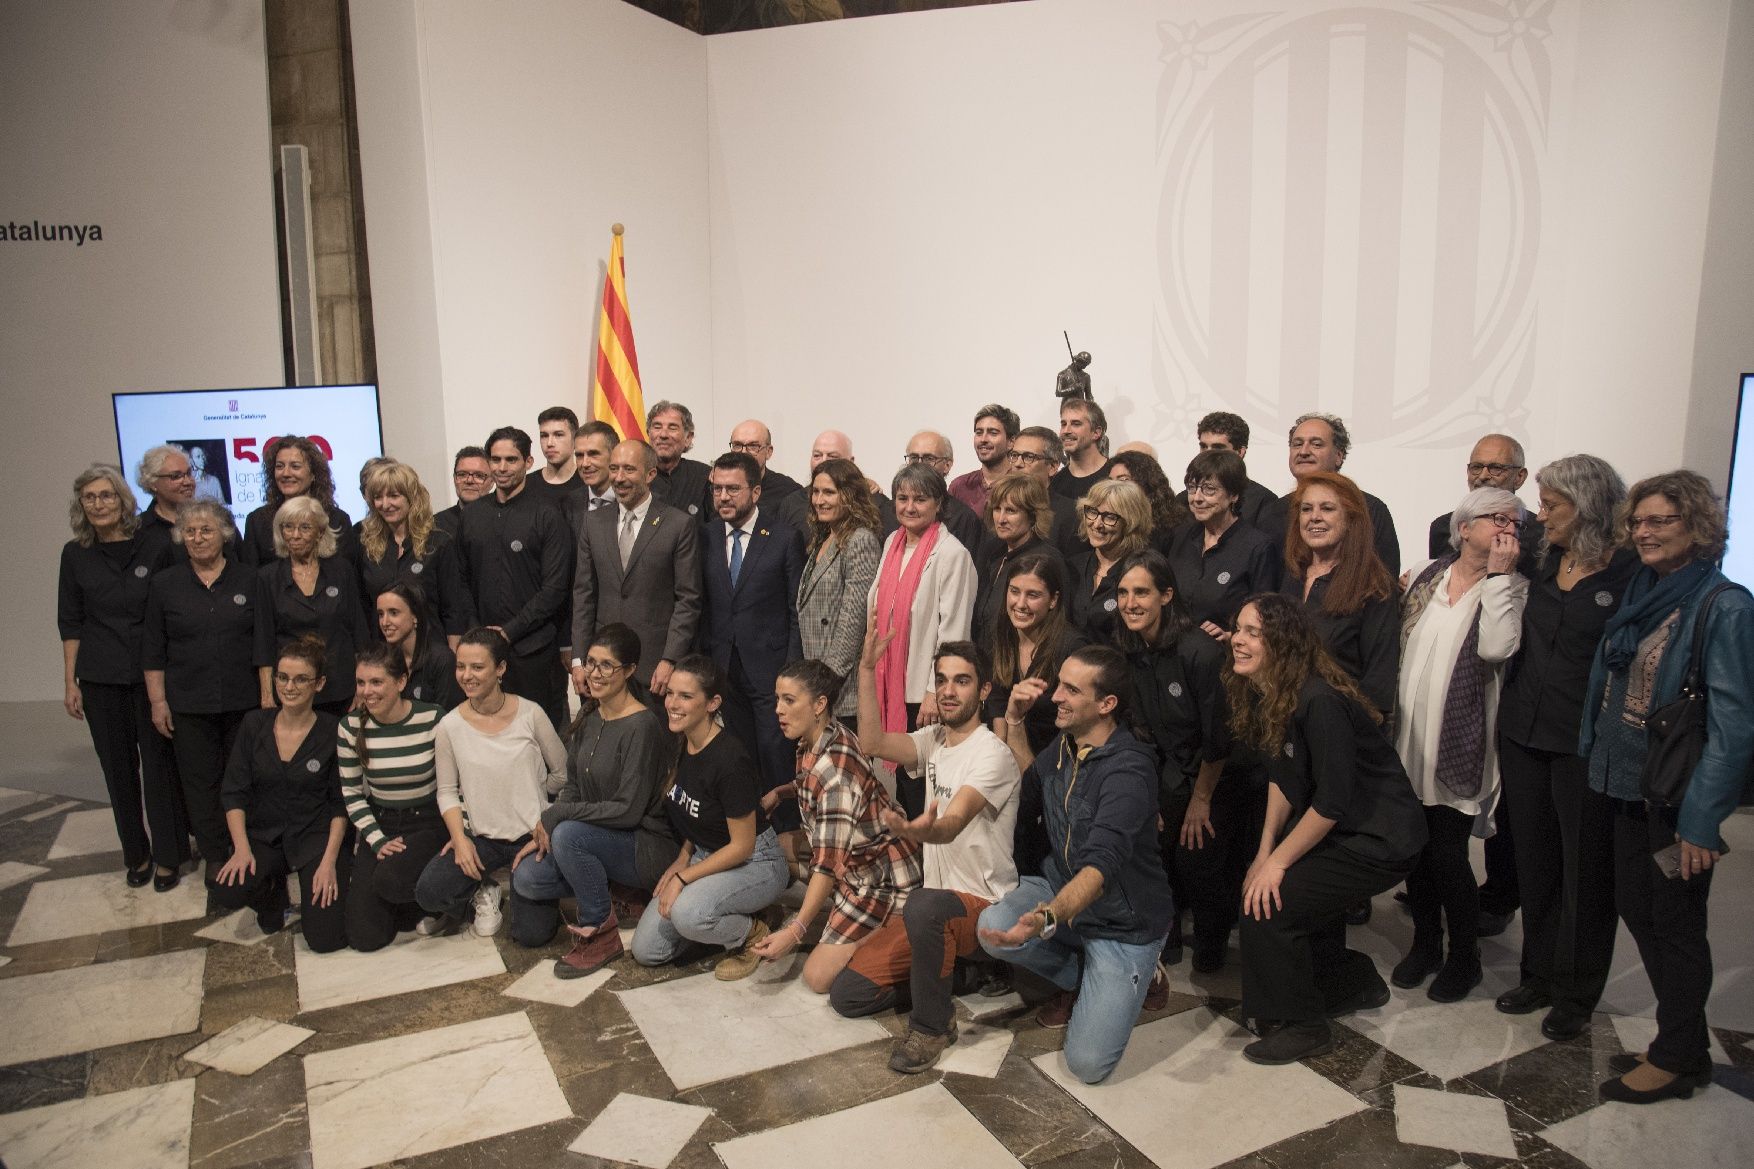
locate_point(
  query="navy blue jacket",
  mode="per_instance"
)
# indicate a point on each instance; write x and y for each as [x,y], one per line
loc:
[1101,812]
[759,617]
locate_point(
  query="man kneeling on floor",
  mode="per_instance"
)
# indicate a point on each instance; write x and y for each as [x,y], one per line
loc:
[971,814]
[1094,921]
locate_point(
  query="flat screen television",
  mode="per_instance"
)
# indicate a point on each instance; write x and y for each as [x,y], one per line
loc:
[1739,557]
[226,431]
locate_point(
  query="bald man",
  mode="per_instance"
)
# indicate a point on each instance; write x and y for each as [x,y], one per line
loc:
[934,450]
[753,438]
[830,444]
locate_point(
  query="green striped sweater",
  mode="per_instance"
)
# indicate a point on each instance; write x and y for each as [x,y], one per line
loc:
[399,770]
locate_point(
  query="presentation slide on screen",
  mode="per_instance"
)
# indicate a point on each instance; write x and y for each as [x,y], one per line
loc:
[1739,559]
[225,433]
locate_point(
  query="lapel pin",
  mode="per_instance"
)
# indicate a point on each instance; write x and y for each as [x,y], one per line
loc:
[764,531]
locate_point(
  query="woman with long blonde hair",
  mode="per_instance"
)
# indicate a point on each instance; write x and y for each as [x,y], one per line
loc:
[398,541]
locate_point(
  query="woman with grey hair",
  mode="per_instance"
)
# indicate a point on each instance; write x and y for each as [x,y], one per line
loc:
[1681,617]
[307,589]
[197,656]
[106,570]
[165,475]
[1461,622]
[923,596]
[1563,832]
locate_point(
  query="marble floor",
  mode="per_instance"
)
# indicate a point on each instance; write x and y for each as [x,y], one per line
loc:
[135,1030]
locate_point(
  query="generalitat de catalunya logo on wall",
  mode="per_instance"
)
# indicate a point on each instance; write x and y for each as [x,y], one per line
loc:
[1350,209]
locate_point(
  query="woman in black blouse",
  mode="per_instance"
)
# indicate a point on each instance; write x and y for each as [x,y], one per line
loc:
[1331,566]
[106,570]
[1021,518]
[1167,512]
[406,621]
[1562,831]
[282,799]
[1115,519]
[1210,811]
[295,467]
[197,651]
[1342,824]
[308,590]
[1218,559]
[399,542]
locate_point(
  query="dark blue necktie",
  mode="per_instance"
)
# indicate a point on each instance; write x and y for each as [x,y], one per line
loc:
[736,555]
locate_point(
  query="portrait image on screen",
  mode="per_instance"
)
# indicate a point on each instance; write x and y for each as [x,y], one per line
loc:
[224,434]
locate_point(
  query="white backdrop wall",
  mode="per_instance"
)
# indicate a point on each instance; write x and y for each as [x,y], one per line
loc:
[498,143]
[149,120]
[1428,218]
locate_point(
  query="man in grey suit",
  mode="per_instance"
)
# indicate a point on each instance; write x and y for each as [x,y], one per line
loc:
[639,564]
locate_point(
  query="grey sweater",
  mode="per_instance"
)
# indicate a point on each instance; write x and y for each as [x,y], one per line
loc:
[615,779]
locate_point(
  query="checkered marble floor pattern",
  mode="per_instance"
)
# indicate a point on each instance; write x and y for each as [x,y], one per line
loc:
[137,1031]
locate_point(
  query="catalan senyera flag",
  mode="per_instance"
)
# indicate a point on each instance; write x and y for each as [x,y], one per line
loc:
[617,399]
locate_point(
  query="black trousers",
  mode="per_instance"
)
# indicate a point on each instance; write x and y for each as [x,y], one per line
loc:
[1667,919]
[324,926]
[1295,964]
[749,714]
[542,679]
[380,894]
[140,772]
[1208,880]
[1502,893]
[203,744]
[1441,888]
[1564,836]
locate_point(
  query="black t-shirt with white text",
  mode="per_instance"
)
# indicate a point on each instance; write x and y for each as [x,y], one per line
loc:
[717,785]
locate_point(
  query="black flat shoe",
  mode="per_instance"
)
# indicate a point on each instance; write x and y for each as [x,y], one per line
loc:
[1368,999]
[1416,967]
[1679,1088]
[164,883]
[138,877]
[1561,1025]
[1524,1000]
[1291,1043]
[1454,981]
[1624,1062]
[1493,924]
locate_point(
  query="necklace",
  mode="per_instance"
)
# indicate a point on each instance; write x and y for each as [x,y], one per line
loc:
[476,706]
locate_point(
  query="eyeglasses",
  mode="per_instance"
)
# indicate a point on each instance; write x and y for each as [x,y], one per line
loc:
[1492,468]
[291,680]
[1029,458]
[1102,519]
[727,488]
[749,448]
[471,476]
[1499,519]
[598,666]
[916,458]
[1208,489]
[94,498]
[302,528]
[174,476]
[1656,523]
[199,533]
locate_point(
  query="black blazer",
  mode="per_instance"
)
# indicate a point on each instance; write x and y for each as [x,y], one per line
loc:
[759,617]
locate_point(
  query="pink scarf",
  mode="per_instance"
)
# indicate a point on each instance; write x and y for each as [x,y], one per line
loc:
[896,587]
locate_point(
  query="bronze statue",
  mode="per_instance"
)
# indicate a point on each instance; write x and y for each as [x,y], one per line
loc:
[1073,383]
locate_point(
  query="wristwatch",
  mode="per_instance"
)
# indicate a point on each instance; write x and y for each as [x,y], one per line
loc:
[1049,923]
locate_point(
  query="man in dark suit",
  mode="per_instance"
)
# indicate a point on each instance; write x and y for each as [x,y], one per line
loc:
[751,563]
[653,586]
[1320,442]
[752,437]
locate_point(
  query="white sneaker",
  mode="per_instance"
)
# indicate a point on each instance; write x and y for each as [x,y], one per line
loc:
[488,917]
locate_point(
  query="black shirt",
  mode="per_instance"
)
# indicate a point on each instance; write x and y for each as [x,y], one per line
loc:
[289,803]
[1367,644]
[1178,696]
[554,494]
[437,575]
[1542,704]
[449,521]
[517,561]
[713,787]
[434,677]
[1339,762]
[1067,483]
[685,487]
[1065,532]
[101,603]
[1257,501]
[1528,535]
[1038,720]
[993,569]
[1092,606]
[1214,584]
[203,639]
[257,546]
[332,612]
[1275,517]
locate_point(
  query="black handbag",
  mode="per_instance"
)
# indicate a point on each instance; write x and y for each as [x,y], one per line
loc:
[1675,731]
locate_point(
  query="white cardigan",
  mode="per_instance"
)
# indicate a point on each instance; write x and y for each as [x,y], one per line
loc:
[943,607]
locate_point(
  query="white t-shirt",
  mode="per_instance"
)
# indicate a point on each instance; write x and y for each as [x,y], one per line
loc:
[979,860]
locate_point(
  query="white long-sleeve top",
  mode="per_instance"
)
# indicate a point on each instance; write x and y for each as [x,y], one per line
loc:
[501,781]
[943,608]
[1429,661]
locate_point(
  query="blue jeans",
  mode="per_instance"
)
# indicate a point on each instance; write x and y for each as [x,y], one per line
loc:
[445,888]
[582,859]
[713,909]
[1110,978]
